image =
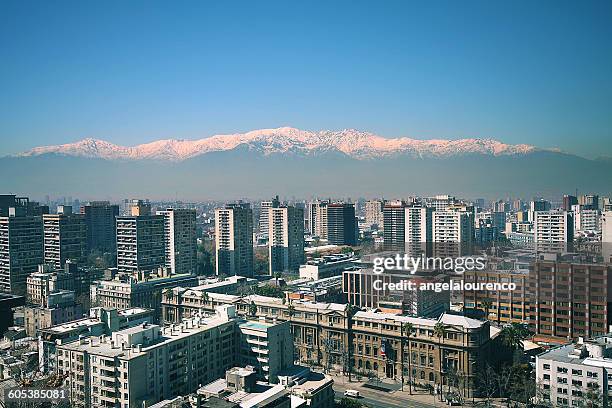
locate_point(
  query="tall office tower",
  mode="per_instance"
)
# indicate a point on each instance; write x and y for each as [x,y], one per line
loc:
[539,205]
[441,202]
[374,213]
[586,218]
[589,201]
[181,239]
[553,230]
[341,224]
[101,226]
[317,218]
[286,242]
[394,220]
[606,235]
[234,239]
[418,231]
[517,205]
[263,214]
[453,232]
[499,206]
[65,237]
[140,239]
[568,202]
[21,248]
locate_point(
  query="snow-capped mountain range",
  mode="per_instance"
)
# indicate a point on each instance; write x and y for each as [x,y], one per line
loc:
[286,140]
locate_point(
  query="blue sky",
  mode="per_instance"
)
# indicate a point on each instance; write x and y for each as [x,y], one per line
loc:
[135,71]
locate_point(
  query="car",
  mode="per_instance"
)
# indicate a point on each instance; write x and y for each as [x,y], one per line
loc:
[352,393]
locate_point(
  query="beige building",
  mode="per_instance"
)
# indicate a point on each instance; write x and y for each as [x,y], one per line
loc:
[285,239]
[234,240]
[65,237]
[180,239]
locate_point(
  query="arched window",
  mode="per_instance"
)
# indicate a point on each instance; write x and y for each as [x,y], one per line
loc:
[376,366]
[422,375]
[368,365]
[432,378]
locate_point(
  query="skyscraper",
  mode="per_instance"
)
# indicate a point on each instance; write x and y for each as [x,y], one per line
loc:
[374,213]
[140,239]
[234,240]
[65,237]
[418,230]
[286,242]
[341,224]
[263,214]
[553,230]
[180,238]
[21,248]
[394,216]
[101,226]
[317,218]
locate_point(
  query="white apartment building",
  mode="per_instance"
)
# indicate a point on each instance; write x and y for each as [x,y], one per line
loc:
[565,374]
[180,239]
[418,231]
[264,209]
[586,219]
[374,213]
[65,237]
[145,364]
[286,239]
[234,240]
[452,232]
[553,230]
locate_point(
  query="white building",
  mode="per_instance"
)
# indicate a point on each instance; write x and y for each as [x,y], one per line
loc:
[565,374]
[234,240]
[553,230]
[180,239]
[286,239]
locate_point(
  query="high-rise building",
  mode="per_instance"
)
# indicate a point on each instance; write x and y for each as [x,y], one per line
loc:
[539,205]
[21,249]
[286,239]
[341,224]
[234,240]
[317,218]
[586,218]
[418,230]
[181,239]
[374,213]
[452,232]
[263,214]
[394,217]
[65,237]
[606,235]
[141,242]
[101,226]
[441,202]
[590,201]
[553,230]
[568,202]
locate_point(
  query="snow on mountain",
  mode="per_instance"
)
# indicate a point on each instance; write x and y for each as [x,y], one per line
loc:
[286,140]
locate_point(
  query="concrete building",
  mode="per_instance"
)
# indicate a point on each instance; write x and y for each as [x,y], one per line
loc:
[317,218]
[21,249]
[264,209]
[553,230]
[266,347]
[142,290]
[586,219]
[142,365]
[374,213]
[576,375]
[65,237]
[101,226]
[234,240]
[418,229]
[326,266]
[180,238]
[286,239]
[59,307]
[341,224]
[453,232]
[141,244]
[606,236]
[100,322]
[394,220]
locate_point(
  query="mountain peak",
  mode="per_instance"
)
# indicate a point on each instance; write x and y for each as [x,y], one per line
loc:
[286,140]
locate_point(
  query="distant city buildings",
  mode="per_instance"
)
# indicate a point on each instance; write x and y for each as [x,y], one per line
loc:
[286,239]
[180,239]
[65,237]
[234,240]
[141,243]
[101,226]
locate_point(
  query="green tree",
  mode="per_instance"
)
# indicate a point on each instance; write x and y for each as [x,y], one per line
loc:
[438,331]
[407,332]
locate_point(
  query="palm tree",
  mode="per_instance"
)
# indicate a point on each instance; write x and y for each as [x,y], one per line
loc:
[487,305]
[439,333]
[252,309]
[407,331]
[512,336]
[204,298]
